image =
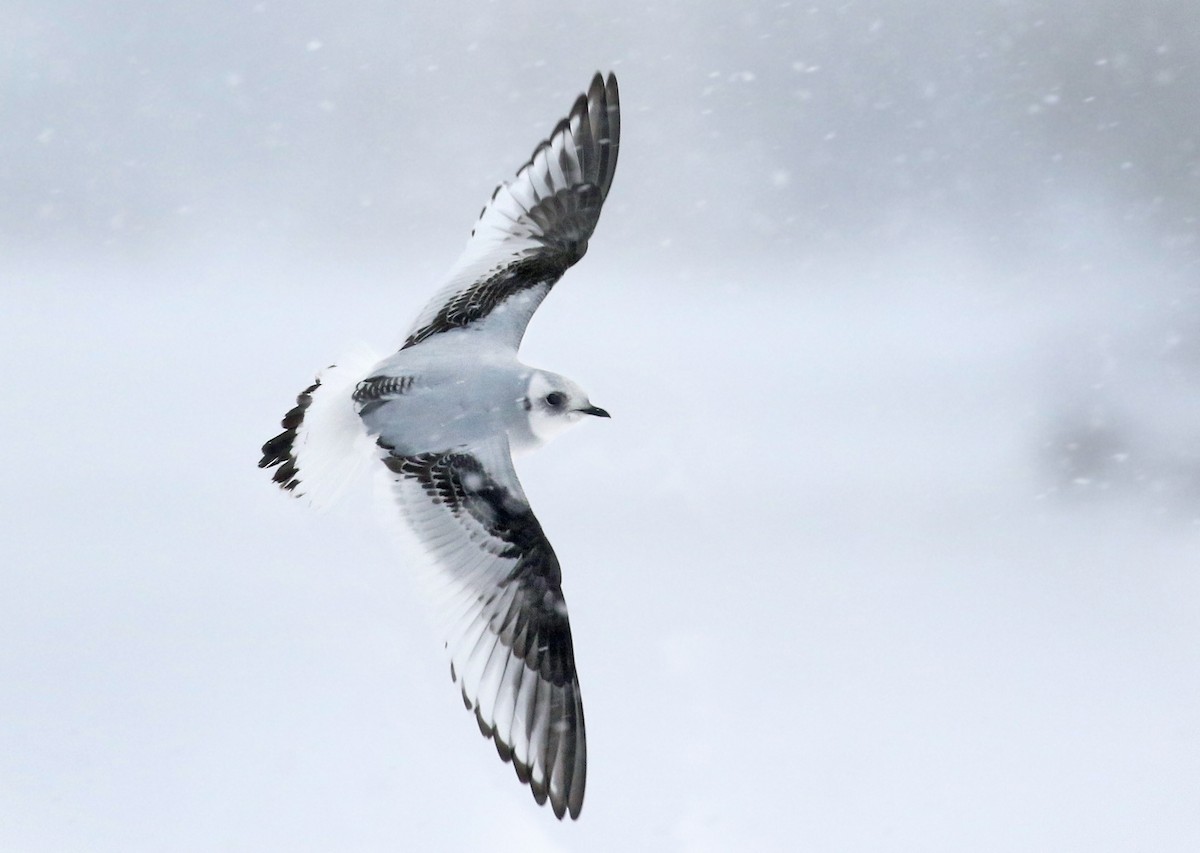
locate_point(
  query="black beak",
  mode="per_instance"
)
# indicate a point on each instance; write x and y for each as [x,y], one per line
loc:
[595,410]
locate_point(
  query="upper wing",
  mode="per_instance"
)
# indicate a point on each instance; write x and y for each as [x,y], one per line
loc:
[534,228]
[503,610]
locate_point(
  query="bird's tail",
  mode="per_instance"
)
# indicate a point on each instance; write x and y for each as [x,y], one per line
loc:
[323,444]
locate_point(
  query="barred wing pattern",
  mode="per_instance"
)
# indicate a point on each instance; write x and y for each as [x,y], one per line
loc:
[534,228]
[502,606]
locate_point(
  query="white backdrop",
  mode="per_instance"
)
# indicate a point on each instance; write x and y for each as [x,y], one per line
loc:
[891,543]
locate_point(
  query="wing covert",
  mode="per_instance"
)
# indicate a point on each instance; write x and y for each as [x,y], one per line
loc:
[534,228]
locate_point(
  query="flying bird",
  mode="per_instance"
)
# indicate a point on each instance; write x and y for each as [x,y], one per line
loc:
[442,418]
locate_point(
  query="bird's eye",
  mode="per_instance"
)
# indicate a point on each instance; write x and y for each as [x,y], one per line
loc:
[555,399]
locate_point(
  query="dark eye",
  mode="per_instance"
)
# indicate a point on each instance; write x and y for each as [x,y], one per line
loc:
[555,399]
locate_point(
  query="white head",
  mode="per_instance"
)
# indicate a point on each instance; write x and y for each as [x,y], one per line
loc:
[554,403]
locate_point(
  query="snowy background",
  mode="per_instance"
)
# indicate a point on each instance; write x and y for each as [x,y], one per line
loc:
[892,542]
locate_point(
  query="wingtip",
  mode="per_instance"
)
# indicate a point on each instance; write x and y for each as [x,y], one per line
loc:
[603,83]
[596,87]
[604,87]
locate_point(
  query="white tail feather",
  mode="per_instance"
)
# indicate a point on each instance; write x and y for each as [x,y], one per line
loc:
[331,446]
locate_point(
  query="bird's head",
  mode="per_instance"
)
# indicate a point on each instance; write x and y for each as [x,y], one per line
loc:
[554,403]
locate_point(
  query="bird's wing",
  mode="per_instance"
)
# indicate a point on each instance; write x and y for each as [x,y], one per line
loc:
[534,228]
[501,604]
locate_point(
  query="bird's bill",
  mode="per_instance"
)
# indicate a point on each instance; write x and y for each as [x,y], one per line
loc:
[594,410]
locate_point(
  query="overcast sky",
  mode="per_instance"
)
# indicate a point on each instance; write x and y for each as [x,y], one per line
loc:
[891,543]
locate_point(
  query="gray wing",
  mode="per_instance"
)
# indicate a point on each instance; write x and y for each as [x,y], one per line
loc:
[503,610]
[534,228]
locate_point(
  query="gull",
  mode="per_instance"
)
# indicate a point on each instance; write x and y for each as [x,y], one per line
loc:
[442,418]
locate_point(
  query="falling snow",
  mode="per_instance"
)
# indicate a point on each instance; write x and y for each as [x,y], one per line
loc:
[892,536]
